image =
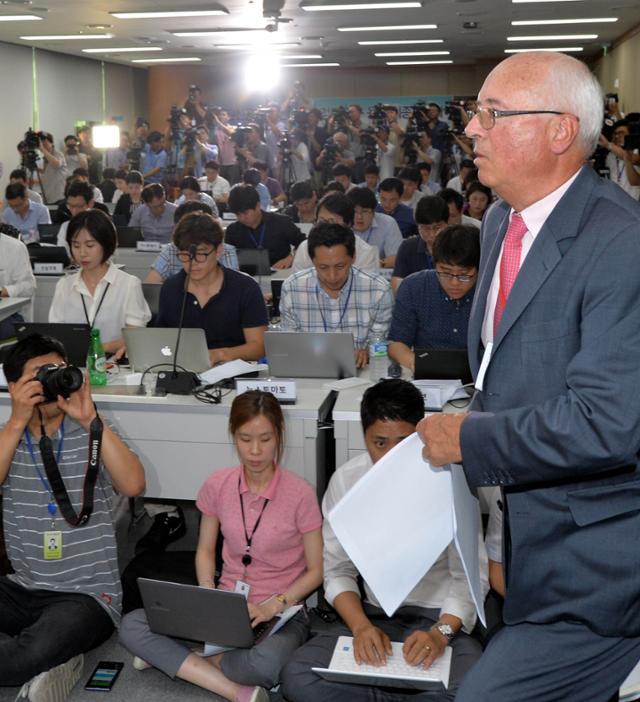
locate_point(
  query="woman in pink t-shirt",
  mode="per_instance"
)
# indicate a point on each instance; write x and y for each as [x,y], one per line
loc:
[272,553]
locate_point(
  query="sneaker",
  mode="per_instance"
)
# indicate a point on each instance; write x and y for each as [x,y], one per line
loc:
[166,527]
[139,664]
[53,685]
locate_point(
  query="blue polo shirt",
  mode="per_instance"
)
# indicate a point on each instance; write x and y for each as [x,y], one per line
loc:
[154,160]
[237,306]
[425,317]
[405,219]
[27,225]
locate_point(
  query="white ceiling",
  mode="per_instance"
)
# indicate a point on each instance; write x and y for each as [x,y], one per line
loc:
[317,31]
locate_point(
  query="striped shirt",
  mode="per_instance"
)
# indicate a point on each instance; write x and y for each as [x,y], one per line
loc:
[362,308]
[89,563]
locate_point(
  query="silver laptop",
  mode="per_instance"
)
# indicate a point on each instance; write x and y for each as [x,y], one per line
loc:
[198,613]
[310,354]
[151,346]
[396,673]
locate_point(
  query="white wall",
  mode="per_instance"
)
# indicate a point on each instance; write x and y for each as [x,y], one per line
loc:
[69,89]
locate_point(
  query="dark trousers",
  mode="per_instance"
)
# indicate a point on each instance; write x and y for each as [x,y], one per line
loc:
[6,325]
[557,662]
[301,684]
[40,629]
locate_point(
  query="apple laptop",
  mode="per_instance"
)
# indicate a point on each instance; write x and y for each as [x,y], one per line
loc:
[74,337]
[310,354]
[155,346]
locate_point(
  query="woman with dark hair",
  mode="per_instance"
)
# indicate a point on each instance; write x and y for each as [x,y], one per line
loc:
[432,306]
[478,198]
[99,294]
[227,304]
[272,551]
[191,192]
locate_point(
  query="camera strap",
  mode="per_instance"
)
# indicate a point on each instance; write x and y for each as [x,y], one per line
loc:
[55,479]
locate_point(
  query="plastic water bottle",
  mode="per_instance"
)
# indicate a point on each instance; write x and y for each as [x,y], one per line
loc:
[96,360]
[378,358]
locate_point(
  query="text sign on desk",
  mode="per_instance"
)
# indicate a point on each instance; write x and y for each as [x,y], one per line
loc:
[152,246]
[48,268]
[284,390]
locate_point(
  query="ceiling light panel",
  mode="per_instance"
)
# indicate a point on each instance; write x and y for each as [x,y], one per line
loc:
[581,20]
[162,14]
[414,53]
[309,65]
[564,50]
[181,59]
[555,37]
[414,63]
[122,50]
[400,41]
[361,6]
[389,28]
[66,37]
[18,18]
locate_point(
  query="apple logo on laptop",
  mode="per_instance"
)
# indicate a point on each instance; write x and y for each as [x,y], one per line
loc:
[165,351]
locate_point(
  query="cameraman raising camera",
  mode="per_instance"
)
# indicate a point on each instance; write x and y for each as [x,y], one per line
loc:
[53,172]
[64,596]
[386,152]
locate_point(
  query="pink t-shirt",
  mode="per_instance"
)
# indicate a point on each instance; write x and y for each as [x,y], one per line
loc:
[277,552]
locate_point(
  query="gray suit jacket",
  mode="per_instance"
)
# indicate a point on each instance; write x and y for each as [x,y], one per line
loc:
[559,421]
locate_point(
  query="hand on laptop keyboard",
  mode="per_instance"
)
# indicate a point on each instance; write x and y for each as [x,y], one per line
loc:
[423,648]
[371,645]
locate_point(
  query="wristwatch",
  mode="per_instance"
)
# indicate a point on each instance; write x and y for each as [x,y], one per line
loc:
[283,601]
[445,630]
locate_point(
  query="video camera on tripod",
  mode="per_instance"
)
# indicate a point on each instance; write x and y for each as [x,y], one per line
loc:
[452,110]
[28,148]
[340,116]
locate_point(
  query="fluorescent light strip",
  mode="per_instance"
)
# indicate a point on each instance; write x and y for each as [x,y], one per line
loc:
[565,49]
[555,37]
[167,13]
[522,1]
[401,41]
[66,37]
[414,53]
[212,33]
[308,65]
[361,6]
[122,50]
[167,60]
[301,57]
[388,28]
[257,47]
[414,63]
[18,18]
[583,20]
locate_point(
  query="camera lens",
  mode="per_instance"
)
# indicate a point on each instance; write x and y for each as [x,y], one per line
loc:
[59,381]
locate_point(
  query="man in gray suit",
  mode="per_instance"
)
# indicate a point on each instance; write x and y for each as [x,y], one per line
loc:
[554,344]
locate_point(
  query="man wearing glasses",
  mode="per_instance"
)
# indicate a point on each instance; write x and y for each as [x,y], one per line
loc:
[554,341]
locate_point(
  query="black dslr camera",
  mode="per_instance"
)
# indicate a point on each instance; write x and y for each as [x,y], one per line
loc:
[59,380]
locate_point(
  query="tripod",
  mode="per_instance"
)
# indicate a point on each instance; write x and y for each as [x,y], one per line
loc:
[30,164]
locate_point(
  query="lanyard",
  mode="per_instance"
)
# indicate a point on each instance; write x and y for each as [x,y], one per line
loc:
[84,307]
[619,169]
[344,309]
[367,236]
[246,559]
[51,507]
[257,244]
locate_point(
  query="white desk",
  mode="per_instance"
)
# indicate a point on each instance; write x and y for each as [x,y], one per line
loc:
[180,440]
[9,305]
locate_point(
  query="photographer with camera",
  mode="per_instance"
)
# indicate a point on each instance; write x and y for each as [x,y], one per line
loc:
[64,597]
[72,155]
[53,170]
[274,131]
[300,161]
[94,157]
[226,148]
[335,151]
[155,162]
[139,146]
[427,153]
[253,148]
[622,159]
[193,105]
[385,152]
[436,129]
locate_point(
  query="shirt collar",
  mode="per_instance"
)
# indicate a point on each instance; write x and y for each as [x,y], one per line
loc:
[343,289]
[536,215]
[269,492]
[109,277]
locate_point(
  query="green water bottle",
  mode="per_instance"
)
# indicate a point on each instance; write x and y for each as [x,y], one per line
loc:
[96,360]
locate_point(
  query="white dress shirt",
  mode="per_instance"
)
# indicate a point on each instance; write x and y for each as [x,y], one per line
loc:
[367,257]
[444,587]
[124,304]
[15,268]
[534,217]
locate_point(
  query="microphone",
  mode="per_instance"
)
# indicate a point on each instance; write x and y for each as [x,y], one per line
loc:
[180,382]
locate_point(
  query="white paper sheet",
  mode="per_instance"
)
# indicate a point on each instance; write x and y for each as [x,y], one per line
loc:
[3,380]
[228,370]
[396,521]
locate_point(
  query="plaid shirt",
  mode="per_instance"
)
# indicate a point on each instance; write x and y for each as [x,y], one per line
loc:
[362,308]
[167,263]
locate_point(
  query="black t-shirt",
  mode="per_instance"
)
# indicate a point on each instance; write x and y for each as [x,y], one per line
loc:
[276,233]
[238,305]
[412,257]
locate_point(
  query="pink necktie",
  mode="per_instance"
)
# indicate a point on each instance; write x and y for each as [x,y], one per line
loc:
[509,265]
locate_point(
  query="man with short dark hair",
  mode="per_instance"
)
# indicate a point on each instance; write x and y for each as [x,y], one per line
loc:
[371,178]
[455,201]
[155,161]
[385,152]
[155,216]
[440,602]
[256,229]
[214,184]
[410,177]
[276,193]
[428,153]
[374,228]
[436,129]
[391,190]
[342,174]
[53,171]
[79,197]
[254,149]
[81,175]
[19,175]
[303,203]
[334,295]
[64,596]
[72,154]
[22,213]
[456,182]
[252,177]
[414,254]
[94,156]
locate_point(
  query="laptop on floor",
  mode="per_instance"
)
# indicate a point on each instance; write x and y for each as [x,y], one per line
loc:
[74,337]
[254,261]
[151,346]
[396,673]
[310,354]
[442,364]
[198,614]
[128,237]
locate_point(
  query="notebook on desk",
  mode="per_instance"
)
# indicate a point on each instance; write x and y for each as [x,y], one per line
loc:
[396,673]
[442,364]
[155,346]
[310,354]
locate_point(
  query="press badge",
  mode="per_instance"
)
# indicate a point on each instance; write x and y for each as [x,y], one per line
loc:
[52,545]
[243,588]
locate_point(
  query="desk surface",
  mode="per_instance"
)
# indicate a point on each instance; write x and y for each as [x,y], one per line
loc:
[9,305]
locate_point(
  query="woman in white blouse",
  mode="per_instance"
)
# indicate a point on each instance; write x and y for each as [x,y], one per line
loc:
[99,294]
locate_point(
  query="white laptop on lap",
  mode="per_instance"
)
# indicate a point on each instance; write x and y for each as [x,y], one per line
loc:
[156,346]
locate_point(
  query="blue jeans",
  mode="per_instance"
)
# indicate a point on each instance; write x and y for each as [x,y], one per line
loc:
[40,629]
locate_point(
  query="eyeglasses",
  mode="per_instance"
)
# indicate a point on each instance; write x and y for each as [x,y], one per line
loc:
[487,115]
[448,277]
[199,256]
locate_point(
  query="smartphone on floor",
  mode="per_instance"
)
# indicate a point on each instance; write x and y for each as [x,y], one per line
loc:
[104,676]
